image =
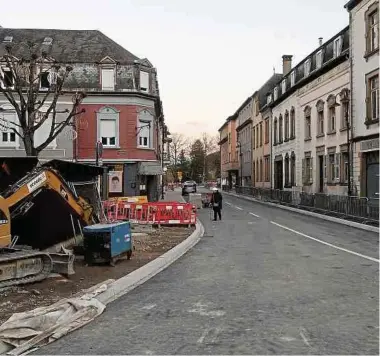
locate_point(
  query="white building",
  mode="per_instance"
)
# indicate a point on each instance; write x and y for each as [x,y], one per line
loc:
[309,122]
[364,58]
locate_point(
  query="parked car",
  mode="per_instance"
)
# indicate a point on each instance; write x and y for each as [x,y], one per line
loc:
[189,187]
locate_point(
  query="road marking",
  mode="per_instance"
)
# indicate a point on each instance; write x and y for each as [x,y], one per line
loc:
[238,207]
[149,306]
[254,215]
[202,338]
[304,337]
[228,203]
[326,243]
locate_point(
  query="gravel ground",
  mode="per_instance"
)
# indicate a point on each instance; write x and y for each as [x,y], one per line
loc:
[49,291]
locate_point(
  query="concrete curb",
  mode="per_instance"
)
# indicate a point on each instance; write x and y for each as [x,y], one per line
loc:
[129,282]
[309,213]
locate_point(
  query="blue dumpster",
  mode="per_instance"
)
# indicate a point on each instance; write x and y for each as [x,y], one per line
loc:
[106,243]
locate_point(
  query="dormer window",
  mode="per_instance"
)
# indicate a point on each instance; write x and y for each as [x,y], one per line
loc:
[108,79]
[275,93]
[283,86]
[269,98]
[8,78]
[48,41]
[318,59]
[144,81]
[8,39]
[307,67]
[337,46]
[292,78]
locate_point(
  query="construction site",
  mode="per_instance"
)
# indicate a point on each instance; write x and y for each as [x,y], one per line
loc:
[58,238]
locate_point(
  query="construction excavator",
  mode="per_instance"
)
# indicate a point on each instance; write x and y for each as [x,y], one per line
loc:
[40,204]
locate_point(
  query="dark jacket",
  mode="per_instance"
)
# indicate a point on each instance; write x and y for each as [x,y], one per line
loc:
[217,198]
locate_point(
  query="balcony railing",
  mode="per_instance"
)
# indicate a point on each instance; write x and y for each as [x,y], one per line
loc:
[352,208]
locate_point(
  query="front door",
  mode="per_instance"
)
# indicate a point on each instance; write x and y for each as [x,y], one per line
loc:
[372,175]
[321,168]
[278,175]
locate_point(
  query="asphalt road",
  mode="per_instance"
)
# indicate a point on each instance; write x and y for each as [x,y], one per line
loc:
[261,281]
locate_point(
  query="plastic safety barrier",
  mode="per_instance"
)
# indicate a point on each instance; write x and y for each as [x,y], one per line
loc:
[135,199]
[161,213]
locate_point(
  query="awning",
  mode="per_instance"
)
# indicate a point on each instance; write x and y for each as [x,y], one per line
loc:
[150,168]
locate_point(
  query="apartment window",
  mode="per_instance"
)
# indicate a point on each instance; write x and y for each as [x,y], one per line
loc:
[318,59]
[108,79]
[292,78]
[266,139]
[253,138]
[372,25]
[144,133]
[286,125]
[275,131]
[280,129]
[8,78]
[269,99]
[307,113]
[108,127]
[333,167]
[257,136]
[320,121]
[43,132]
[144,81]
[345,112]
[275,93]
[261,170]
[257,171]
[292,123]
[307,169]
[261,134]
[293,169]
[229,137]
[307,67]
[337,46]
[283,86]
[267,168]
[8,120]
[373,98]
[344,167]
[287,170]
[332,121]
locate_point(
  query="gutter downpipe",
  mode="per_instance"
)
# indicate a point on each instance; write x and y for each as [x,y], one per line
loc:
[351,126]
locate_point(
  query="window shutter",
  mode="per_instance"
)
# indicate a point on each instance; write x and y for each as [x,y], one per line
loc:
[108,79]
[303,171]
[107,128]
[337,167]
[311,171]
[325,169]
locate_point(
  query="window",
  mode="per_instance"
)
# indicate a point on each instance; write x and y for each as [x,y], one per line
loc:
[275,131]
[108,127]
[286,170]
[229,137]
[261,134]
[261,170]
[266,140]
[293,170]
[307,67]
[292,123]
[257,171]
[292,78]
[333,167]
[318,59]
[307,113]
[269,98]
[280,129]
[286,125]
[372,24]
[257,136]
[345,112]
[344,167]
[48,41]
[337,46]
[320,122]
[144,133]
[373,98]
[8,39]
[275,93]
[8,77]
[43,132]
[144,81]
[307,169]
[267,168]
[108,79]
[283,86]
[7,120]
[253,137]
[332,121]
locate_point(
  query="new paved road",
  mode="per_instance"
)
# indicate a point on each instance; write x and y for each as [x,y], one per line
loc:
[261,281]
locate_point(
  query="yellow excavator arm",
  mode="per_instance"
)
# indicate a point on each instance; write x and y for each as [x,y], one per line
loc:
[24,190]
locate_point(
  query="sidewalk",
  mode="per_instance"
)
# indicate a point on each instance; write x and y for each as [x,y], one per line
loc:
[175,195]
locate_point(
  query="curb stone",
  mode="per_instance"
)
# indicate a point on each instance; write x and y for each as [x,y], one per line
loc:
[309,213]
[132,280]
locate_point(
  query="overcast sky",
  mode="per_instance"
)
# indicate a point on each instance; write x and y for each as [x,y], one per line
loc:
[210,55]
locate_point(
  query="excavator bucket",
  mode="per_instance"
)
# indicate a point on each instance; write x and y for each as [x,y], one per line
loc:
[14,168]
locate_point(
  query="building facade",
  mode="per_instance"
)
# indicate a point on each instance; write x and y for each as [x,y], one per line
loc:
[261,137]
[244,141]
[364,59]
[122,110]
[224,157]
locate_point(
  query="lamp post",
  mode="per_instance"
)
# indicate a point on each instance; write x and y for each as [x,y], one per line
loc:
[345,99]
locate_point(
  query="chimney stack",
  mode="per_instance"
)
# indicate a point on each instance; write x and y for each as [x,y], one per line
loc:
[320,41]
[286,63]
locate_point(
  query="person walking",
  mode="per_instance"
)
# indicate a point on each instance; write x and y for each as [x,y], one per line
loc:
[216,203]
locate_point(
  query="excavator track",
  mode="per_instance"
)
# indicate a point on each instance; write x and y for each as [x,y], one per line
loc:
[22,266]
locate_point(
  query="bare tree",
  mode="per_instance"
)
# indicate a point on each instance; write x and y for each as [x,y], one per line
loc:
[209,146]
[20,80]
[179,143]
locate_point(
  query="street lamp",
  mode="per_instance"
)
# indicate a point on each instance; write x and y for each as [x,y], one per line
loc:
[238,145]
[345,99]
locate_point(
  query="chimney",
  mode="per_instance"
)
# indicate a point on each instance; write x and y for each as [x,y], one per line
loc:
[320,39]
[286,63]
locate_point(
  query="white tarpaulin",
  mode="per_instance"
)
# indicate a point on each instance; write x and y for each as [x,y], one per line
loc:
[38,327]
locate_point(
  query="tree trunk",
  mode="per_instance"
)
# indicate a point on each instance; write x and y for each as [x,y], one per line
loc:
[29,145]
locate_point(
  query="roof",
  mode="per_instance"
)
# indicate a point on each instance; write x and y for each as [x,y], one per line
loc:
[68,46]
[229,118]
[268,87]
[351,4]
